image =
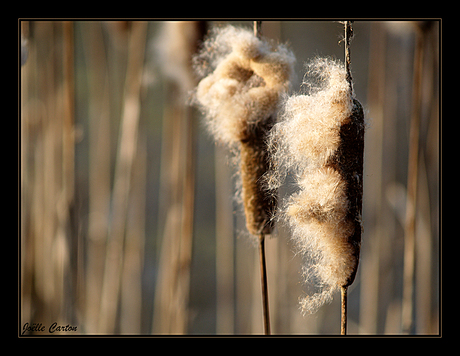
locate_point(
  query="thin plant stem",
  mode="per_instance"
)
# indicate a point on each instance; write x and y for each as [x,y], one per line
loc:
[348,36]
[127,150]
[264,284]
[344,289]
[412,182]
[343,324]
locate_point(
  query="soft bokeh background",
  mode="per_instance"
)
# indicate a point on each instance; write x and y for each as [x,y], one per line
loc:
[129,222]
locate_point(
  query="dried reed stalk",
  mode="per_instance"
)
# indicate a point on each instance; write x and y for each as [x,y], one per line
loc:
[68,137]
[369,277]
[412,182]
[127,148]
[425,289]
[47,183]
[98,169]
[176,45]
[225,249]
[133,251]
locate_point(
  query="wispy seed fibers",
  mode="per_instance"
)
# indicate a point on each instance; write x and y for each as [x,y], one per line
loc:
[320,138]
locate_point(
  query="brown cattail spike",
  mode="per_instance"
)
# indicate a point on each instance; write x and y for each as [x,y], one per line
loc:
[259,203]
[348,161]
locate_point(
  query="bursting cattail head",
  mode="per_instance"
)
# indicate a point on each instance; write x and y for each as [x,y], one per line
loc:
[320,137]
[244,77]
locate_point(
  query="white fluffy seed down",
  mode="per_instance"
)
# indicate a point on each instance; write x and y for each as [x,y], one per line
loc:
[306,140]
[244,78]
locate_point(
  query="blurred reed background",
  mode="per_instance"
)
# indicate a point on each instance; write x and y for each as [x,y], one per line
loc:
[128,218]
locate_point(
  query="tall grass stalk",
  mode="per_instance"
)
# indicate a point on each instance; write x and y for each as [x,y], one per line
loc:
[370,276]
[225,251]
[98,169]
[412,181]
[127,149]
[47,175]
[175,46]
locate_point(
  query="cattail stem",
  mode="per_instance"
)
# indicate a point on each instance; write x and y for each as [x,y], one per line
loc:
[264,284]
[343,325]
[344,289]
[348,36]
[258,29]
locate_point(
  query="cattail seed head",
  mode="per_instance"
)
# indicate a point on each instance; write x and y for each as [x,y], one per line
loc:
[320,137]
[244,77]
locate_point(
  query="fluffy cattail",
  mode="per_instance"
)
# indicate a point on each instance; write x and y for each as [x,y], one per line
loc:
[321,138]
[244,78]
